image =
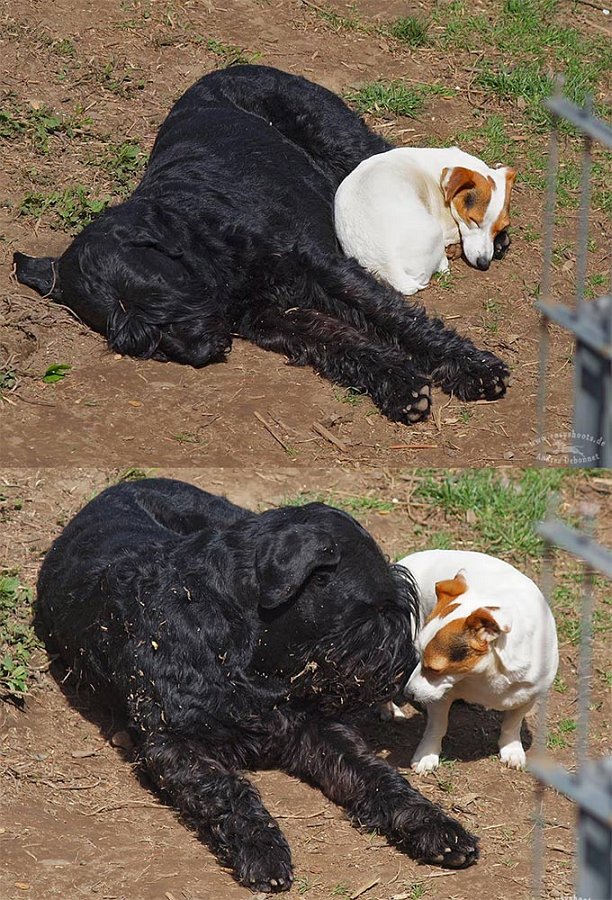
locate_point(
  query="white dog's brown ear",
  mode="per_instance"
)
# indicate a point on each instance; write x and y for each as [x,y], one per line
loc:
[482,628]
[454,180]
[446,591]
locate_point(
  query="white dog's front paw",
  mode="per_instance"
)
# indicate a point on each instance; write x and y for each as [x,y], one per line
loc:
[513,755]
[425,763]
[389,711]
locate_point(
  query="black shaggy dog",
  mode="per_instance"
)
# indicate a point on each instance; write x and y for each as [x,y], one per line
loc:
[232,640]
[231,231]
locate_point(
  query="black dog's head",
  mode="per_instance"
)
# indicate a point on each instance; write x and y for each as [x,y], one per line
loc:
[134,287]
[337,619]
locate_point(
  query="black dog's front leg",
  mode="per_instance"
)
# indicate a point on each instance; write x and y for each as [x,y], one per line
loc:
[453,362]
[224,808]
[375,795]
[346,356]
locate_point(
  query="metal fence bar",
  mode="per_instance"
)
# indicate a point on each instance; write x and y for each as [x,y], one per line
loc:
[547,253]
[591,324]
[583,221]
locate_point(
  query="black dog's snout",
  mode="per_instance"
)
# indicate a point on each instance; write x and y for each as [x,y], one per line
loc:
[483,263]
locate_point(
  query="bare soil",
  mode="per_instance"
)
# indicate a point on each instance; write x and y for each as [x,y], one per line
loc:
[131,60]
[75,821]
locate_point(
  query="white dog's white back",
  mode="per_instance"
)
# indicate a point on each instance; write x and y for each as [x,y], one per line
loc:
[398,211]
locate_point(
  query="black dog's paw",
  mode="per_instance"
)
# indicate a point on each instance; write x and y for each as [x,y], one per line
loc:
[501,244]
[480,377]
[410,405]
[442,841]
[264,862]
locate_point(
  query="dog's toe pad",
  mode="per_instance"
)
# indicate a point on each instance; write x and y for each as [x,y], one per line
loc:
[426,763]
[513,755]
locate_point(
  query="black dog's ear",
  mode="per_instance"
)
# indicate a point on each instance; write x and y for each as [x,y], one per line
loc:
[149,287]
[287,556]
[39,273]
[130,334]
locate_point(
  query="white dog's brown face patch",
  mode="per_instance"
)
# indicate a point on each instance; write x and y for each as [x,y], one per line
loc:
[459,645]
[469,191]
[480,205]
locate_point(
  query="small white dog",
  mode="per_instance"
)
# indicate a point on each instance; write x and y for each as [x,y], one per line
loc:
[398,211]
[488,637]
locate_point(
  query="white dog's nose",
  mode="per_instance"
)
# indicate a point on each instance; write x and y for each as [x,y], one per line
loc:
[483,263]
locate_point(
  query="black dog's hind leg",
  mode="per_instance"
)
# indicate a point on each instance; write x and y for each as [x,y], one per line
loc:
[346,356]
[224,808]
[453,362]
[335,759]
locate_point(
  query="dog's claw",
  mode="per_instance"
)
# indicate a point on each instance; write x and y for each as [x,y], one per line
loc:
[482,378]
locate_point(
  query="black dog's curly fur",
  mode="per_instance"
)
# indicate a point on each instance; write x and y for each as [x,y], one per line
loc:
[233,640]
[231,231]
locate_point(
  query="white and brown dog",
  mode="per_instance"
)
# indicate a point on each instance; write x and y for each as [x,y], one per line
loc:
[399,211]
[488,637]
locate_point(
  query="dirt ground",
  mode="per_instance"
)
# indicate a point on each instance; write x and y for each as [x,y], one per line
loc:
[122,64]
[76,822]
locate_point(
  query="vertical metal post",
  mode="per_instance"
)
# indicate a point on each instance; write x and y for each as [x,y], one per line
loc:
[547,252]
[594,869]
[592,424]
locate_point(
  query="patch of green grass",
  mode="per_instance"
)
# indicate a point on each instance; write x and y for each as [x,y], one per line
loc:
[38,125]
[386,97]
[532,44]
[462,30]
[567,726]
[187,437]
[506,507]
[352,396]
[64,47]
[17,638]
[492,140]
[342,23]
[560,684]
[119,79]
[440,540]
[595,285]
[557,739]
[124,163]
[443,280]
[230,54]
[492,310]
[133,473]
[530,234]
[526,81]
[354,505]
[303,885]
[410,30]
[340,890]
[71,209]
